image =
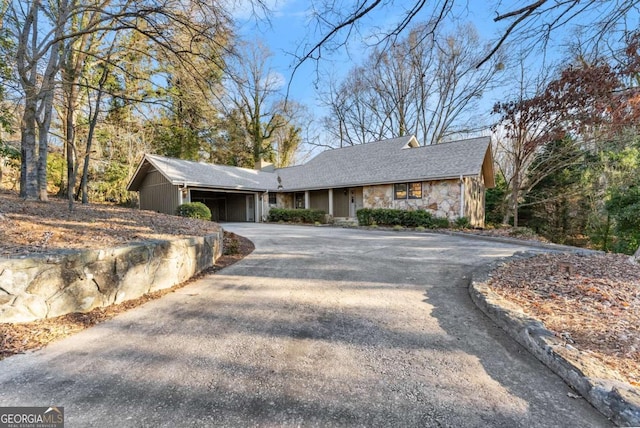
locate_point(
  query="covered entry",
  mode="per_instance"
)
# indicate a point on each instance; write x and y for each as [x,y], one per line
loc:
[347,201]
[228,206]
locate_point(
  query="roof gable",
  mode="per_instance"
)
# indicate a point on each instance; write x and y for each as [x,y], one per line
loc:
[200,174]
[387,161]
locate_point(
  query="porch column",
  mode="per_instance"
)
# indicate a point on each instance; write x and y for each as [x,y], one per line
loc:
[257,207]
[461,197]
[331,202]
[307,202]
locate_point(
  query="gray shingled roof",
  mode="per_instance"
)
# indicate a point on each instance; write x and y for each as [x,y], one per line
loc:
[387,161]
[200,174]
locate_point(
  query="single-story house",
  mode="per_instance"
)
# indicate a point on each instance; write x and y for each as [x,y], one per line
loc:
[447,179]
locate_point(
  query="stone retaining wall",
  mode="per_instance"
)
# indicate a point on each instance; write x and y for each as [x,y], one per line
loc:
[77,281]
[617,400]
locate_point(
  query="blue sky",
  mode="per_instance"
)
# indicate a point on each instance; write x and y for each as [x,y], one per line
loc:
[289,26]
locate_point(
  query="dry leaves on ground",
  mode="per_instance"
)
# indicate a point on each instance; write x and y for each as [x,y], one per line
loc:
[21,337]
[591,301]
[28,227]
[508,232]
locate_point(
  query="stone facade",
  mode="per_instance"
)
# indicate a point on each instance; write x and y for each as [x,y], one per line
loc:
[441,198]
[78,281]
[380,196]
[285,200]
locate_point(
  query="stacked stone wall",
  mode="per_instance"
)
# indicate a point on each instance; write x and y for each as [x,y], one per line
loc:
[77,281]
[441,198]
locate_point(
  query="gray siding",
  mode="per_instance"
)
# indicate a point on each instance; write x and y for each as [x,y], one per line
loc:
[319,200]
[158,194]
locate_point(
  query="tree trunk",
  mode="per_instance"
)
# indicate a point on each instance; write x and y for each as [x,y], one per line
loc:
[71,164]
[28,166]
[515,192]
[43,145]
[92,126]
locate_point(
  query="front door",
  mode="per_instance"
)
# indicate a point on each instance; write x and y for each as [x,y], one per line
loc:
[251,208]
[355,201]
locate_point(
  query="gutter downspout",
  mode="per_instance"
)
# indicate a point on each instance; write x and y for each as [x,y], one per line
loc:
[263,216]
[181,192]
[461,197]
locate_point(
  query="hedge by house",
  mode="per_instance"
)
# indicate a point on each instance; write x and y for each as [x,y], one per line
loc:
[392,217]
[296,215]
[194,210]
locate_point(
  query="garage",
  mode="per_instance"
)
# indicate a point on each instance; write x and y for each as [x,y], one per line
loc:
[227,206]
[232,194]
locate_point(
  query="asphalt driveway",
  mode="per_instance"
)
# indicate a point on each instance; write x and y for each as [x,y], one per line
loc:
[318,327]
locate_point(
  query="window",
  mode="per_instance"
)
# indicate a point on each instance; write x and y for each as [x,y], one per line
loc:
[298,199]
[400,191]
[415,190]
[273,198]
[407,191]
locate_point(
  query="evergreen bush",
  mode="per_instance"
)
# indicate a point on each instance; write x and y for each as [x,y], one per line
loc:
[462,223]
[296,215]
[194,210]
[392,217]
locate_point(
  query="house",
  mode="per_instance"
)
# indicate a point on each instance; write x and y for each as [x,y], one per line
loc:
[448,179]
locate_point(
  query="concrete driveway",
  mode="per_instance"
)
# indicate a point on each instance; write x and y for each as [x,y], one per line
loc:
[318,327]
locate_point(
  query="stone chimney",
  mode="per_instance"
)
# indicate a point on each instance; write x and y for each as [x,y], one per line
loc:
[263,165]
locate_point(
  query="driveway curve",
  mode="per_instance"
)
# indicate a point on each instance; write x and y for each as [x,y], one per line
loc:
[318,327]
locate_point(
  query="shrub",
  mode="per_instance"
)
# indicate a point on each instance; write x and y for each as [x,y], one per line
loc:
[392,217]
[416,218]
[231,246]
[523,232]
[462,223]
[278,215]
[194,210]
[364,217]
[440,223]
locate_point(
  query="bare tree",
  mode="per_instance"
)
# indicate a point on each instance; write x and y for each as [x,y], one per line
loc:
[533,23]
[254,92]
[424,84]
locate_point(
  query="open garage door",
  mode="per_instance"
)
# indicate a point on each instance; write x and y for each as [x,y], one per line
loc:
[224,206]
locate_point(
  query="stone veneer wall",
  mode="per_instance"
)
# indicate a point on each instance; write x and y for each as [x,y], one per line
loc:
[77,281]
[285,200]
[441,198]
